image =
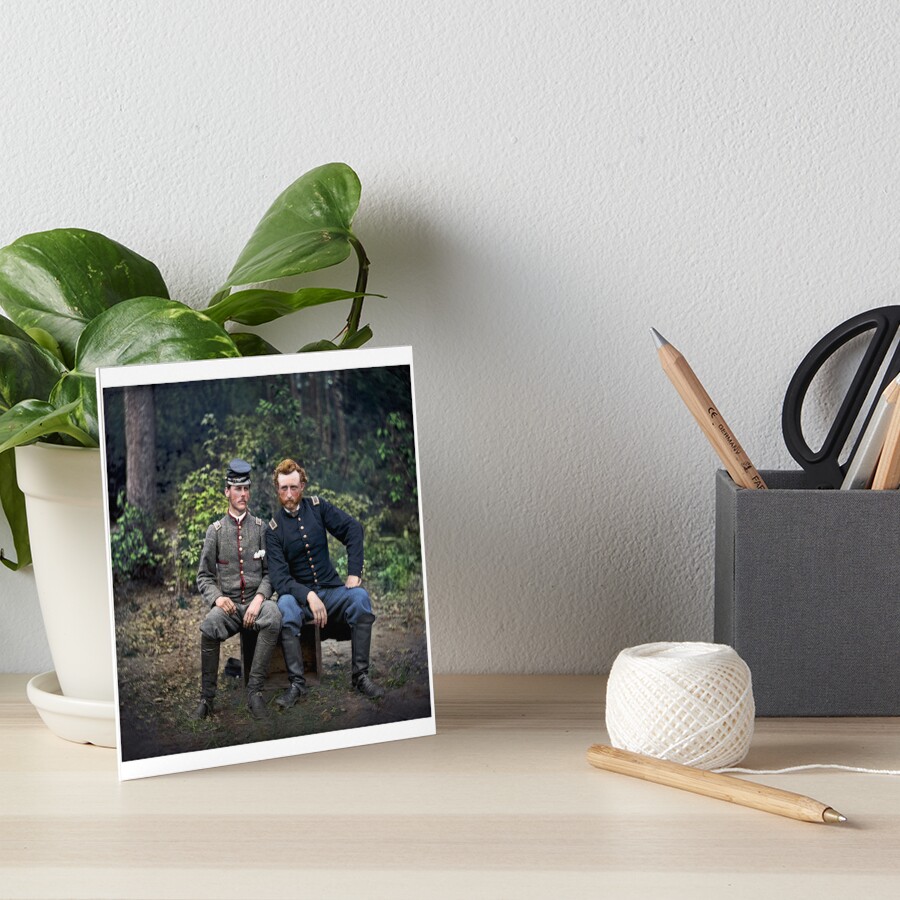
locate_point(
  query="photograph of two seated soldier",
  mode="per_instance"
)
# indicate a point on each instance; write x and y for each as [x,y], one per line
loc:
[242,558]
[271,586]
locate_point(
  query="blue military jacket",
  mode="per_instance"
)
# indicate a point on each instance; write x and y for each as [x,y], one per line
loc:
[297,548]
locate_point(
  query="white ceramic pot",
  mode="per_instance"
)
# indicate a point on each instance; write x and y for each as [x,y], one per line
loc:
[63,489]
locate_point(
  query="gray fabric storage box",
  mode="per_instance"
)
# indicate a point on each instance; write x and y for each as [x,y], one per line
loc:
[808,593]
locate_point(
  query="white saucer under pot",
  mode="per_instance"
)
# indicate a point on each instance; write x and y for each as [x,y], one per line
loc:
[82,721]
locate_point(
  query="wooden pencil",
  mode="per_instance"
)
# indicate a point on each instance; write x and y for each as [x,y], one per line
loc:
[712,784]
[708,417]
[887,473]
[861,469]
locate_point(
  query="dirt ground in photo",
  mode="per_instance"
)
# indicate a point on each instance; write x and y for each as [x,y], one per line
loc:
[158,650]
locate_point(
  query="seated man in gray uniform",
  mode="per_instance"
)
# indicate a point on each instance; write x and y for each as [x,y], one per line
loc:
[233,579]
[309,588]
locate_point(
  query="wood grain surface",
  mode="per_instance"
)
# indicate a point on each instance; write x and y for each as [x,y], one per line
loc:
[500,803]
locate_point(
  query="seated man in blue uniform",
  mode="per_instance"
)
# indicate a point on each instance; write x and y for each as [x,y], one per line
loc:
[309,588]
[233,579]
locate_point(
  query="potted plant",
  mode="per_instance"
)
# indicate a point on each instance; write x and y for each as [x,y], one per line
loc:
[75,301]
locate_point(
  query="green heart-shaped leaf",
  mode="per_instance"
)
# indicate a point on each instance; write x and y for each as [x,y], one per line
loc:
[46,340]
[13,502]
[60,280]
[306,228]
[150,330]
[357,339]
[258,306]
[318,346]
[350,342]
[29,420]
[27,370]
[252,344]
[81,389]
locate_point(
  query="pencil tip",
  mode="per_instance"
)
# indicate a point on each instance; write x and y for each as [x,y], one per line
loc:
[660,340]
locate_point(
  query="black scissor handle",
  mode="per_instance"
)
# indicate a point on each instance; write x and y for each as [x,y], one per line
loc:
[822,467]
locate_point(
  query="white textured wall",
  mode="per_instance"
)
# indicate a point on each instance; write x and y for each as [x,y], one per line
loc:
[541,184]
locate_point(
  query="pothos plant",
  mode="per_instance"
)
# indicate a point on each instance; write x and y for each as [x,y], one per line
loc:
[76,301]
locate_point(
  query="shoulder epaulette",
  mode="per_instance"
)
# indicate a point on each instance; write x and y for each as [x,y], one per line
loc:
[315,501]
[217,524]
[258,520]
[273,524]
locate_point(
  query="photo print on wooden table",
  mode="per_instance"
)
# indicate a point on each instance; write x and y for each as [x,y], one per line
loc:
[265,552]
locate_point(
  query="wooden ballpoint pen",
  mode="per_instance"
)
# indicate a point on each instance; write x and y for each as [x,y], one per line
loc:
[712,784]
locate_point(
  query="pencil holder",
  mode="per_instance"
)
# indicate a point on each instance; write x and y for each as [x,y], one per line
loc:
[807,590]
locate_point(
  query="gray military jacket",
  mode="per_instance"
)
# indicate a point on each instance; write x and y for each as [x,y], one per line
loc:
[233,561]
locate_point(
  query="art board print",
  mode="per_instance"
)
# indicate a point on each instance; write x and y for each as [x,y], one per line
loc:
[225,478]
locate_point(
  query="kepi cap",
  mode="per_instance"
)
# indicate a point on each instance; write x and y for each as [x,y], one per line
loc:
[238,472]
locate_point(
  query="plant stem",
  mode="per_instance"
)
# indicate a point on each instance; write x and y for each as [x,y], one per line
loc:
[361,280]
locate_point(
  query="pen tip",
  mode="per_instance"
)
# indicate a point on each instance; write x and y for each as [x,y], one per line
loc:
[658,338]
[832,815]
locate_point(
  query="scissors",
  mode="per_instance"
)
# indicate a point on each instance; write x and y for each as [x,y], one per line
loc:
[822,467]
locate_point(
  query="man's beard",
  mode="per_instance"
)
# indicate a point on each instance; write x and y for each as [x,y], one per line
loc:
[290,504]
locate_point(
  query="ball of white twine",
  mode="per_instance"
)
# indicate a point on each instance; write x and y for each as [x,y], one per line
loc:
[690,703]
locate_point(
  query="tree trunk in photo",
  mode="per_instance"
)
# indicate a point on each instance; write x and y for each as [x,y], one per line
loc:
[140,443]
[340,421]
[311,398]
[324,416]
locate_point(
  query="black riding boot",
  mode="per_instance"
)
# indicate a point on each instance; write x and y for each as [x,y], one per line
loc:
[209,676]
[293,662]
[360,641]
[265,644]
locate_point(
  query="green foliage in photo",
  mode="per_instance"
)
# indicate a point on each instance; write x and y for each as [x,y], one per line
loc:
[200,502]
[133,546]
[395,451]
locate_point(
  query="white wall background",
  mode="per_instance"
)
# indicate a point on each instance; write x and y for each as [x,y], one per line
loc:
[541,184]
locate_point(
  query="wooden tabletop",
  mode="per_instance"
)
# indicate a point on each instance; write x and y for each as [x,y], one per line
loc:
[500,803]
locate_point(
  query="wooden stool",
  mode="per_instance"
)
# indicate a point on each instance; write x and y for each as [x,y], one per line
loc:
[311,637]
